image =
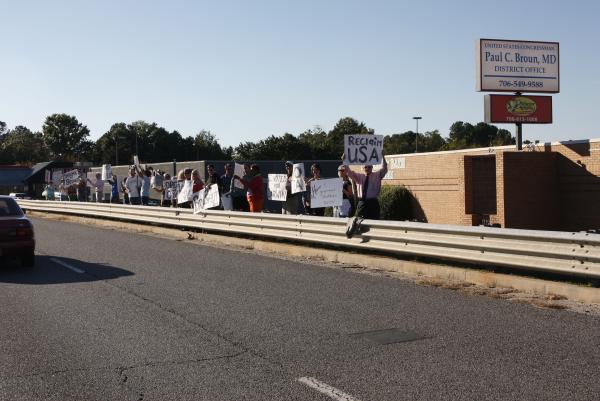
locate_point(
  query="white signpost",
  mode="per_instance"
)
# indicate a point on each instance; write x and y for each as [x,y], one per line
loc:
[363,149]
[326,193]
[298,184]
[277,187]
[517,66]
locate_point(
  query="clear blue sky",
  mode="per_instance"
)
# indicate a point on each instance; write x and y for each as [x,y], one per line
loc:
[248,69]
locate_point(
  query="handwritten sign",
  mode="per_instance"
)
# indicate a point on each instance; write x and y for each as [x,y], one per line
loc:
[185,193]
[363,149]
[298,184]
[239,171]
[326,193]
[71,178]
[136,161]
[276,190]
[207,198]
[170,187]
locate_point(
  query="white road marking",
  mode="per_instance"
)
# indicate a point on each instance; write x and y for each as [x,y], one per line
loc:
[326,389]
[68,266]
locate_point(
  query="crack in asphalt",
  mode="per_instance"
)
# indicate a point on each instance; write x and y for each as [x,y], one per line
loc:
[232,342]
[228,340]
[121,370]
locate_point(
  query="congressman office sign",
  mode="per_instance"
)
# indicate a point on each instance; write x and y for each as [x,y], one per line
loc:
[517,66]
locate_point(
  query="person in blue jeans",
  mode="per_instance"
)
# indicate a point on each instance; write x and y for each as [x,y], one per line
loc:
[114,190]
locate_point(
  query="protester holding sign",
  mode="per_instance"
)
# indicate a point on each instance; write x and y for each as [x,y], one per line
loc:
[98,187]
[315,169]
[368,186]
[124,191]
[348,204]
[133,185]
[81,190]
[185,188]
[256,189]
[166,191]
[213,179]
[293,200]
[240,195]
[114,189]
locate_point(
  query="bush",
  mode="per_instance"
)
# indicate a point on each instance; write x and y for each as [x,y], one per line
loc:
[395,202]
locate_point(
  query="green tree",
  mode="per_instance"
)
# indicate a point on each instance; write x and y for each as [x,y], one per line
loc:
[345,126]
[405,142]
[63,135]
[464,135]
[207,147]
[20,145]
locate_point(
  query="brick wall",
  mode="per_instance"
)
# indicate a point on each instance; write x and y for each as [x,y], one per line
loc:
[557,186]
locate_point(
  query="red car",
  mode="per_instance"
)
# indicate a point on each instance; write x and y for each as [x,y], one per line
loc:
[16,232]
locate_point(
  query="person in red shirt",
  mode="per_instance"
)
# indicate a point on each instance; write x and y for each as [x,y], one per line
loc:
[256,189]
[197,183]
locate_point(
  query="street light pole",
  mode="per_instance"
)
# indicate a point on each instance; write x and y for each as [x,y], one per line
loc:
[116,150]
[417,136]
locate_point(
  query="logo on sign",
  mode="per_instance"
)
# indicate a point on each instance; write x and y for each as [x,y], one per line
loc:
[521,106]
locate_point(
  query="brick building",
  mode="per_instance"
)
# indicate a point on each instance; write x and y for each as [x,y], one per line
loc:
[554,186]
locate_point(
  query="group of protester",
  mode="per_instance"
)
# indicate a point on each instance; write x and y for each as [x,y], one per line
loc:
[360,190]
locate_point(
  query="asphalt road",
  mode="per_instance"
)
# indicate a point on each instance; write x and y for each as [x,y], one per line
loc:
[110,315]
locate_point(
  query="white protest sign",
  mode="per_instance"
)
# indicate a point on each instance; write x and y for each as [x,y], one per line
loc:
[239,171]
[198,201]
[136,160]
[207,198]
[326,193]
[91,178]
[185,193]
[298,184]
[227,201]
[71,178]
[106,172]
[363,149]
[170,187]
[276,190]
[212,197]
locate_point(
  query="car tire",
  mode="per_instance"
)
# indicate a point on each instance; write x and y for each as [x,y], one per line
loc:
[28,260]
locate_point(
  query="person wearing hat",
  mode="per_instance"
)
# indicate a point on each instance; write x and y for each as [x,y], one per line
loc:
[293,201]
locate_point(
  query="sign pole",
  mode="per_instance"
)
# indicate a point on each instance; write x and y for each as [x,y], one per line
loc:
[519,131]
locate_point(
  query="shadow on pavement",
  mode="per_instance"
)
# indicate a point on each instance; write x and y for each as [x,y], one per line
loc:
[48,271]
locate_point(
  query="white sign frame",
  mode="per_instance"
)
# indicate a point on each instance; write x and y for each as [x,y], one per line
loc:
[517,66]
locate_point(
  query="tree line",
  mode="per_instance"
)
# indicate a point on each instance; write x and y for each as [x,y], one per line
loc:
[63,137]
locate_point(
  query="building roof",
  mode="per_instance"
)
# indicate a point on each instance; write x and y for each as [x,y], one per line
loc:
[37,170]
[11,175]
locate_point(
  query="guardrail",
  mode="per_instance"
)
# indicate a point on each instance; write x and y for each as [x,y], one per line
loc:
[557,252]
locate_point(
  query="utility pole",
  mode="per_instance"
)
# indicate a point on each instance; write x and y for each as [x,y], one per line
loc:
[417,136]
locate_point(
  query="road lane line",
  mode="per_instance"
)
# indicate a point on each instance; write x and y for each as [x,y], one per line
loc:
[68,266]
[326,389]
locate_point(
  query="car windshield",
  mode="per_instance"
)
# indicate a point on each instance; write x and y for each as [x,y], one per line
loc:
[9,207]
